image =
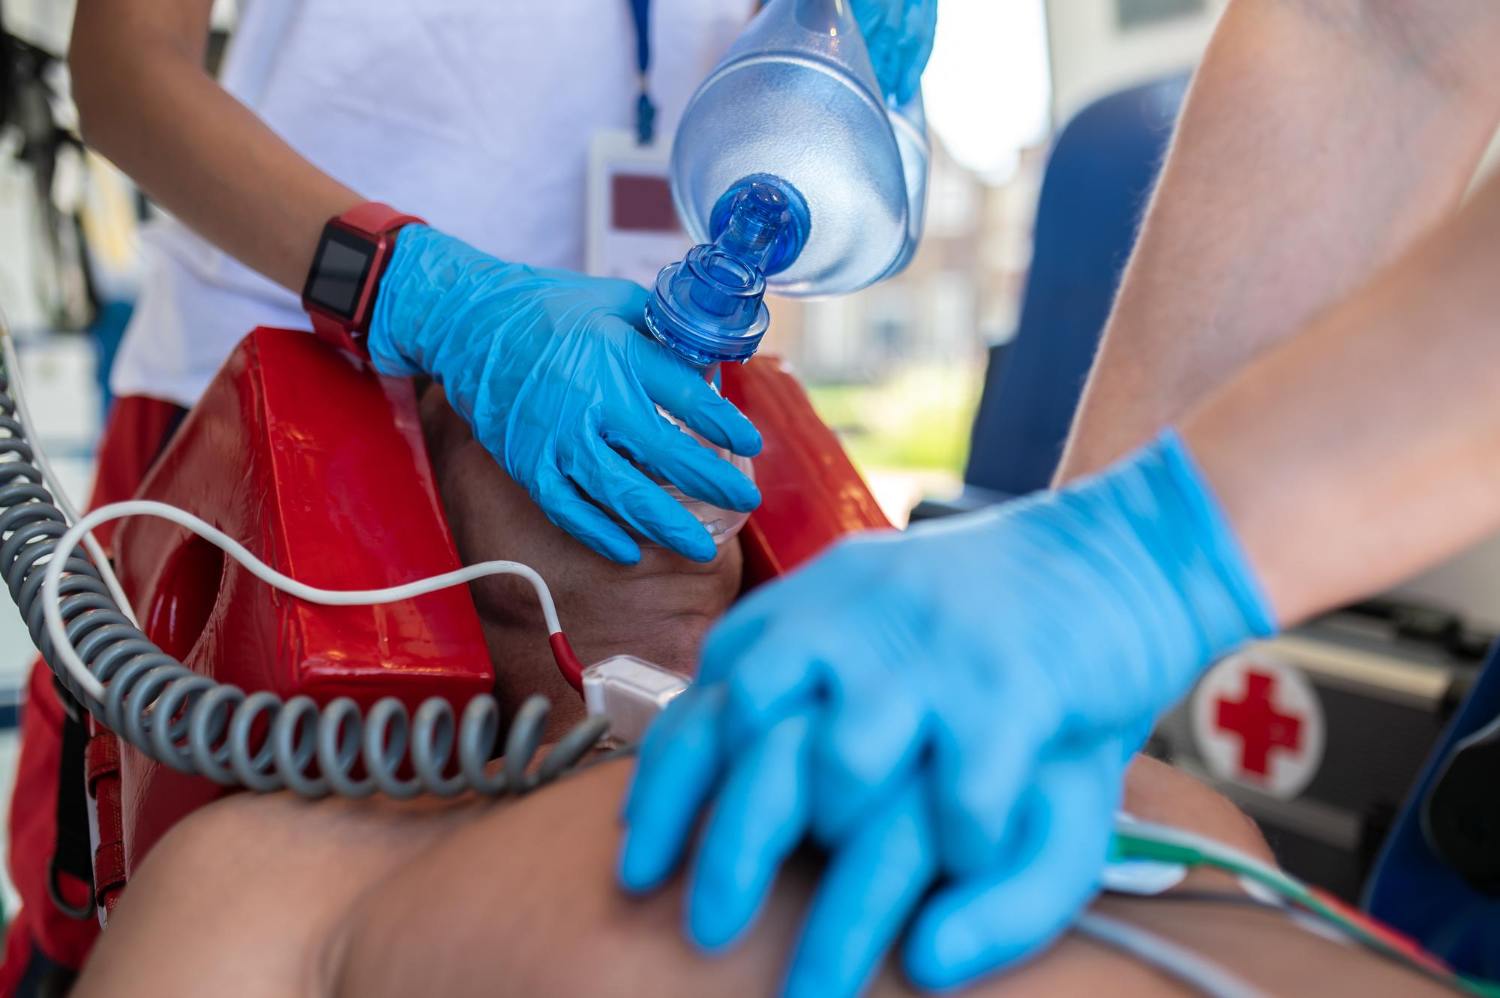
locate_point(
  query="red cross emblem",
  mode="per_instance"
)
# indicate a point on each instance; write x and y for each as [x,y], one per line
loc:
[1259,725]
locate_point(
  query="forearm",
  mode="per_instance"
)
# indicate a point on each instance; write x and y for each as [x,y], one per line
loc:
[1319,138]
[1368,448]
[147,104]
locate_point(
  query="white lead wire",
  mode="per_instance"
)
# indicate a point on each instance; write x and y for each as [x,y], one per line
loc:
[52,579]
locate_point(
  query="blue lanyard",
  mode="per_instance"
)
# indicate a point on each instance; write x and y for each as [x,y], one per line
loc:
[645,111]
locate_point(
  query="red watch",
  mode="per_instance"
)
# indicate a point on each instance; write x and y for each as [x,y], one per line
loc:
[351,256]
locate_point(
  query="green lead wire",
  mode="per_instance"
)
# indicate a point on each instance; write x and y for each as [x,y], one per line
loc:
[1128,845]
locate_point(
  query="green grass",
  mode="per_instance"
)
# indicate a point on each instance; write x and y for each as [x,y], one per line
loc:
[917,420]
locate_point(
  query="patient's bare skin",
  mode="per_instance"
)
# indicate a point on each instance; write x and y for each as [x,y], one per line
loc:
[565,930]
[272,895]
[336,899]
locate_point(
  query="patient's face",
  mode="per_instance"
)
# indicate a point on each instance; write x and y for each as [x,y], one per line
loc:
[658,610]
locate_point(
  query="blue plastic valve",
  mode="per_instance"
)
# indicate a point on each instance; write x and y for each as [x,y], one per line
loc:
[708,307]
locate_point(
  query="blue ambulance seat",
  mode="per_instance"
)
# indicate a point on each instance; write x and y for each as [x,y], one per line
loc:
[1098,177]
[1451,912]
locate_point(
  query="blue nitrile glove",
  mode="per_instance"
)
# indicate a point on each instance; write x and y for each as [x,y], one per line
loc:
[899,35]
[552,371]
[956,704]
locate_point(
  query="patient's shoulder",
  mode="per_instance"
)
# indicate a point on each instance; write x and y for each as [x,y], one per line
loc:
[523,901]
[552,859]
[247,892]
[272,895]
[1155,791]
[281,836]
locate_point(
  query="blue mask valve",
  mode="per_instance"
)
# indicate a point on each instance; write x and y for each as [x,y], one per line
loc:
[708,308]
[763,220]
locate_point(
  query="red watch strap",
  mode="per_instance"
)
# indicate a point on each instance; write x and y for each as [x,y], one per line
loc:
[374,221]
[374,218]
[336,332]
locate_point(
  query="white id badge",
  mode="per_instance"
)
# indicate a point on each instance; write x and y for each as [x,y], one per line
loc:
[632,227]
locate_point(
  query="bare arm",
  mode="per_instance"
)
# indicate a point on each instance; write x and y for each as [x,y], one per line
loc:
[1368,448]
[146,102]
[1319,138]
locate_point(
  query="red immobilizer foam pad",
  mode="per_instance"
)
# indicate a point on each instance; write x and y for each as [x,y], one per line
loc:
[318,466]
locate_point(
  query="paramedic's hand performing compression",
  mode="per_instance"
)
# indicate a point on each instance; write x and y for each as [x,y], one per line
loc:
[947,711]
[955,702]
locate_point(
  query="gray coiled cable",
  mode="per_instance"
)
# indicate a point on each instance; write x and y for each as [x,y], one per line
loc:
[199,726]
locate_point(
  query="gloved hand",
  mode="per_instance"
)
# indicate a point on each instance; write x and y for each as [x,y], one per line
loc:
[899,35]
[553,373]
[955,704]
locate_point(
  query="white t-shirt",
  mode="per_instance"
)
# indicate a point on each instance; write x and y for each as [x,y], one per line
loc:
[475,115]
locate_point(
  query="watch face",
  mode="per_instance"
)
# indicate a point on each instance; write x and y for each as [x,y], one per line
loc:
[339,269]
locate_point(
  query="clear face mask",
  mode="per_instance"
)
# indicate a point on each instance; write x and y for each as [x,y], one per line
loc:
[722,524]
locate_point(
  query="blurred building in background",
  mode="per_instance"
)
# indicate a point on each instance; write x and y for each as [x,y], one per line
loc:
[1097,47]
